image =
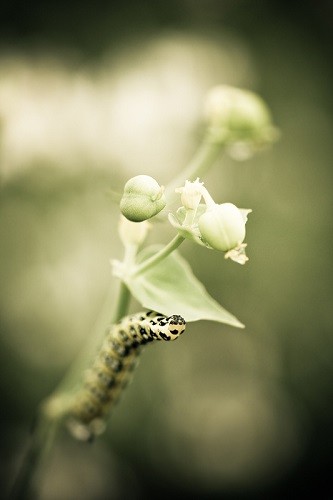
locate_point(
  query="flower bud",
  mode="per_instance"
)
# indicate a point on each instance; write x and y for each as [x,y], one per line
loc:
[236,115]
[191,194]
[222,226]
[142,199]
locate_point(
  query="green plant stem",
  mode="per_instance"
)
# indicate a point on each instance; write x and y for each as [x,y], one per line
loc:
[46,426]
[88,350]
[41,441]
[204,158]
[121,308]
[124,295]
[162,254]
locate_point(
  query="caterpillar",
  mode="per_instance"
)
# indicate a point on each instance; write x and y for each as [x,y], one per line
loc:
[111,370]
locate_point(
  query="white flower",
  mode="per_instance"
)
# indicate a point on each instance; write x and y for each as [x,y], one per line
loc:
[191,194]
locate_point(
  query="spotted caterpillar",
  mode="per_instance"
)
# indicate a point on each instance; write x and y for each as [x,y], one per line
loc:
[112,368]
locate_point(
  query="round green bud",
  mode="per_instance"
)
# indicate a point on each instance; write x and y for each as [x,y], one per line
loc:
[222,226]
[142,199]
[235,114]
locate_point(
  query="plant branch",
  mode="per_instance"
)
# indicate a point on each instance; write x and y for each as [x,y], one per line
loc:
[122,304]
[46,425]
[204,158]
[41,441]
[162,254]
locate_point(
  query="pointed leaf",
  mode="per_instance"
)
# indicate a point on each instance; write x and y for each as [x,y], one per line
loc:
[170,287]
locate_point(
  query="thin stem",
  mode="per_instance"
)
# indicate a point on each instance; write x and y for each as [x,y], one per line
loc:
[122,304]
[47,422]
[41,441]
[204,158]
[124,295]
[162,254]
[46,426]
[89,348]
[119,308]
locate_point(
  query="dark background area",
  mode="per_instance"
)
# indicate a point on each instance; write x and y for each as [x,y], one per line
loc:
[55,241]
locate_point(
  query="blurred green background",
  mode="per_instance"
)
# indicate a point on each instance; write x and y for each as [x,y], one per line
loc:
[92,93]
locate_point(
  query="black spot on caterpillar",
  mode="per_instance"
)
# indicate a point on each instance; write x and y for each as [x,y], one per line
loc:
[112,368]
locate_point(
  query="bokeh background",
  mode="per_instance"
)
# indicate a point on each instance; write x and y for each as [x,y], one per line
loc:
[92,93]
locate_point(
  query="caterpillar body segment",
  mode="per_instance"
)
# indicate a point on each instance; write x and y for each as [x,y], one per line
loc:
[112,368]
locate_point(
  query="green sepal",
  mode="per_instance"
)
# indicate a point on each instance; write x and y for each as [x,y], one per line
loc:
[191,232]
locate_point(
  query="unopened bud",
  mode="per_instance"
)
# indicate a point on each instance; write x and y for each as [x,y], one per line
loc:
[222,226]
[142,199]
[238,116]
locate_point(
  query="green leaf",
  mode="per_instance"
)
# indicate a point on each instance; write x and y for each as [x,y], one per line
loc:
[170,287]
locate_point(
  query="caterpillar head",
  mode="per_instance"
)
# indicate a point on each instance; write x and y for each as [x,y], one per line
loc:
[172,327]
